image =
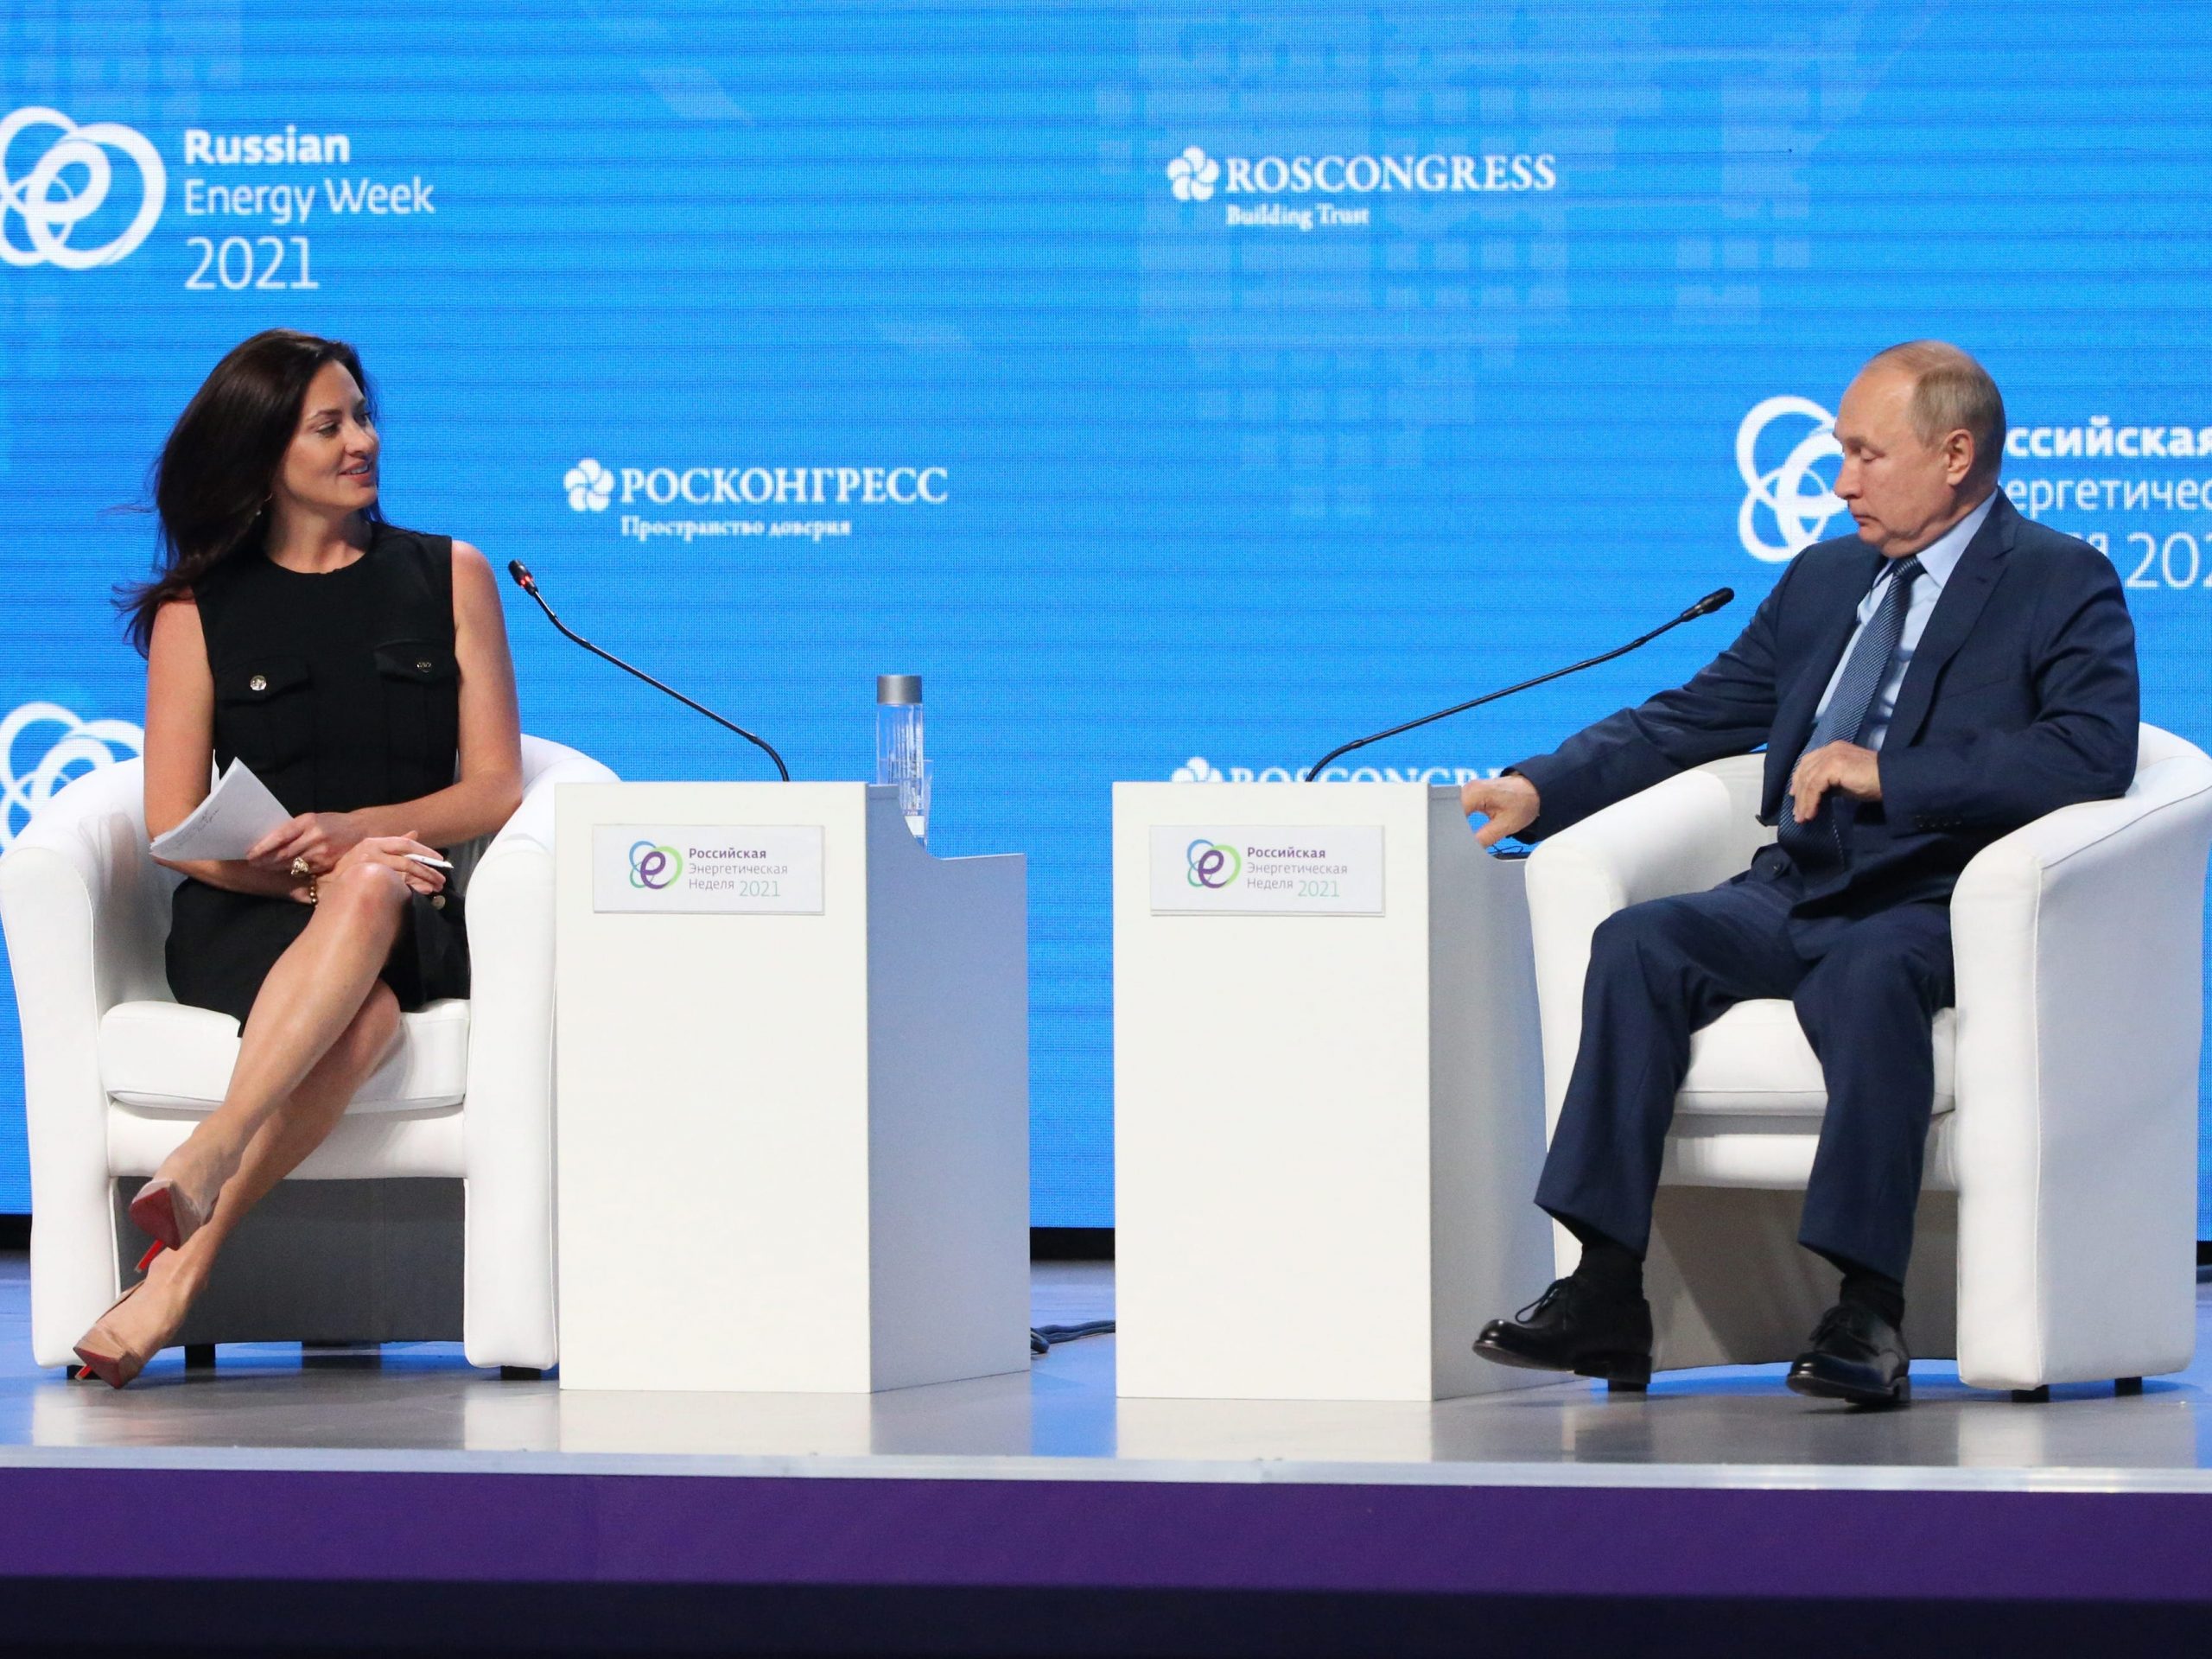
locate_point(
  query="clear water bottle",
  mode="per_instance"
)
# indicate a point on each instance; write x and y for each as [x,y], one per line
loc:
[898,758]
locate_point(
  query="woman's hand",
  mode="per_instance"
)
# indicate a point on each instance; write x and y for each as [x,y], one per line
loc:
[394,851]
[322,838]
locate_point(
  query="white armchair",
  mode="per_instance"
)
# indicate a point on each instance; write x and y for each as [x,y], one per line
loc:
[358,1243]
[2058,1217]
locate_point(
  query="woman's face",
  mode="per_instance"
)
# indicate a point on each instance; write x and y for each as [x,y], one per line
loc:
[332,464]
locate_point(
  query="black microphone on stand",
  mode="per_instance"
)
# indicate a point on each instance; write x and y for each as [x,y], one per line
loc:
[1705,607]
[528,583]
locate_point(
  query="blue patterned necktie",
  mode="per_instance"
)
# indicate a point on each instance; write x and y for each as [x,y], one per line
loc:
[1844,721]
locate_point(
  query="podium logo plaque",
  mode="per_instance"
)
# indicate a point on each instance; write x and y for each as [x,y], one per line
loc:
[707,868]
[1330,869]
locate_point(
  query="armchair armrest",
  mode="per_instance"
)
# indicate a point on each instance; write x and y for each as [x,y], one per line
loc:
[511,961]
[2078,942]
[86,909]
[511,938]
[507,1116]
[1691,832]
[548,766]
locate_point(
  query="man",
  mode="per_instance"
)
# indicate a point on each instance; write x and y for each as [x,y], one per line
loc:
[1948,674]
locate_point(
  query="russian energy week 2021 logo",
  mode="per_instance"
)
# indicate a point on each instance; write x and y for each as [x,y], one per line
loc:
[55,186]
[77,197]
[1213,864]
[2139,491]
[654,868]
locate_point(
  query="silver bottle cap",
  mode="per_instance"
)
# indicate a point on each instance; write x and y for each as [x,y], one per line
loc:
[898,688]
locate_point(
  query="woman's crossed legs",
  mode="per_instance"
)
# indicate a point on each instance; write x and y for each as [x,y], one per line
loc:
[321,1023]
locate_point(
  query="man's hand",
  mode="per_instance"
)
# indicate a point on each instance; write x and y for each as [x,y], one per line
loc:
[1845,766]
[1511,804]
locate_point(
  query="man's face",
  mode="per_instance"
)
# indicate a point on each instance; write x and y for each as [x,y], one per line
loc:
[1901,492]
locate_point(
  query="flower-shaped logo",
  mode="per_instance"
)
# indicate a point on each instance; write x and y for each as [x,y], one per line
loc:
[1193,174]
[589,486]
[1196,770]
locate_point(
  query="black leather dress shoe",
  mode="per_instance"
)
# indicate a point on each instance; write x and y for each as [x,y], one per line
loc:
[1571,1328]
[1857,1355]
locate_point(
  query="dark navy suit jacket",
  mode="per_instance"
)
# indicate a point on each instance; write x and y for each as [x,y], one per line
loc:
[2022,698]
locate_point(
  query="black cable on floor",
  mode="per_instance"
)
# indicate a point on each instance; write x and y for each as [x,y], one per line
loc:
[1045,1338]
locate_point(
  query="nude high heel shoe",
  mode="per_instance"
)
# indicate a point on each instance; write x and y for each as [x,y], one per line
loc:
[104,1354]
[170,1212]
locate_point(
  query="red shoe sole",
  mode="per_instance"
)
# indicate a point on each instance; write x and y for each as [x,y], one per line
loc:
[154,1213]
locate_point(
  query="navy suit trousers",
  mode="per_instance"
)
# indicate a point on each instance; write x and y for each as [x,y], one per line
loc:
[1865,991]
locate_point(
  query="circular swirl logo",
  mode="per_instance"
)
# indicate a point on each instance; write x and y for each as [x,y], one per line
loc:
[589,486]
[1191,175]
[1212,865]
[69,183]
[653,868]
[1794,499]
[57,749]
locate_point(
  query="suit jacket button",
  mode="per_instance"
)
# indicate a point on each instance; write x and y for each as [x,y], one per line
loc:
[258,683]
[422,668]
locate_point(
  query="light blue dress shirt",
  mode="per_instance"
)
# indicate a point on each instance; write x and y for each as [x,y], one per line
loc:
[1937,560]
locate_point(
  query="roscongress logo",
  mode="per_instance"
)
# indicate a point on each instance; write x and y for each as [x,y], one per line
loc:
[589,485]
[654,868]
[1778,447]
[1192,175]
[63,178]
[44,748]
[1213,865]
[1200,769]
[1304,192]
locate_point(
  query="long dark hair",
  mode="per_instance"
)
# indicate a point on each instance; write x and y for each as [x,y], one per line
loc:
[212,483]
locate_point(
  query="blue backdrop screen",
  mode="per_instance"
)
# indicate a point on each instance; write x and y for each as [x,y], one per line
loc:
[1177,389]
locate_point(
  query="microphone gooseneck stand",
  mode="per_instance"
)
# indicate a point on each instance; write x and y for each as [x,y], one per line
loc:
[528,583]
[1712,602]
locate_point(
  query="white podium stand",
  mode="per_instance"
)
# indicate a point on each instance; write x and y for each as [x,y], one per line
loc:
[792,1093]
[1328,1105]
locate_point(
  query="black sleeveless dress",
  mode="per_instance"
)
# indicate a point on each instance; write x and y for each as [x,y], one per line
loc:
[341,691]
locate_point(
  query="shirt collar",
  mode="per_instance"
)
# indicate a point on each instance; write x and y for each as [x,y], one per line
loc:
[1941,557]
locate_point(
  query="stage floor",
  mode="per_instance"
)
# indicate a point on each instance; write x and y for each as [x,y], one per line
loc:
[421,1408]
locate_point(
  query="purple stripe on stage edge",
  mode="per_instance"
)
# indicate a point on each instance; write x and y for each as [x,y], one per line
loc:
[662,1530]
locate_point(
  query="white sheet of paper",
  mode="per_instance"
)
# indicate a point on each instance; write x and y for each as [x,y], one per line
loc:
[238,811]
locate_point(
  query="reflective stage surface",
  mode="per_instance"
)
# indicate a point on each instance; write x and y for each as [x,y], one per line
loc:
[421,1408]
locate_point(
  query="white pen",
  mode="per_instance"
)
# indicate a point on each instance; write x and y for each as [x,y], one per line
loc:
[431,859]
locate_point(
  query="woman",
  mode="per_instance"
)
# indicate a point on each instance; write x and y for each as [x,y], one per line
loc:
[351,666]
